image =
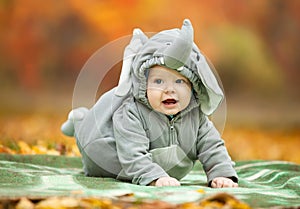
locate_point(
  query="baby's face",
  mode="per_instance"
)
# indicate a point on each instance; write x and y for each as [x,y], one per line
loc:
[168,91]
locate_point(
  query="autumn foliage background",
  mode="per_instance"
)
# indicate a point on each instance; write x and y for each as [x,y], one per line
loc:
[254,45]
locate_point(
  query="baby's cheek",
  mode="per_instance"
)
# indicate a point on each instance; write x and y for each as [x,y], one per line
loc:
[154,100]
[185,100]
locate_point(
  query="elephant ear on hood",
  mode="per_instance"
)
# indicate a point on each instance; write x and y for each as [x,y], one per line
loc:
[212,95]
[125,82]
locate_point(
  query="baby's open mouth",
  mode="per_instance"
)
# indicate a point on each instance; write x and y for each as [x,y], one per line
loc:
[169,101]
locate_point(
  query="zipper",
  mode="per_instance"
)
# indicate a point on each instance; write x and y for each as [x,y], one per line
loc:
[172,132]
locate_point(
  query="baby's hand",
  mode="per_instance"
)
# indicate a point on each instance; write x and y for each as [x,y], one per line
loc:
[165,181]
[221,182]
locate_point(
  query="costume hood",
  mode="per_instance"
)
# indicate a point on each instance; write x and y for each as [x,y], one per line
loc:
[174,49]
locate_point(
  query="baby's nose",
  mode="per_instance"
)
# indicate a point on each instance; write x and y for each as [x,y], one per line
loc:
[170,88]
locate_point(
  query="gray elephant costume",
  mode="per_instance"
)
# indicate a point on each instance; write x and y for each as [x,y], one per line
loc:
[122,137]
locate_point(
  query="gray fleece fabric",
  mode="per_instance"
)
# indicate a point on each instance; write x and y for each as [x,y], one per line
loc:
[122,137]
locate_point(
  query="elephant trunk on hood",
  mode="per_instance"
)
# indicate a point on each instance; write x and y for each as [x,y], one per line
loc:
[177,53]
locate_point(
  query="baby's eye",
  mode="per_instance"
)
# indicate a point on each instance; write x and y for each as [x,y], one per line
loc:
[180,81]
[158,81]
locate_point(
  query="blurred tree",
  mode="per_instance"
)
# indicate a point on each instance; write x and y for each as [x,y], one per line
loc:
[244,63]
[277,24]
[282,34]
[48,42]
[44,43]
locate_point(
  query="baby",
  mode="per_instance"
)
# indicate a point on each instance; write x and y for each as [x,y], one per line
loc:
[153,127]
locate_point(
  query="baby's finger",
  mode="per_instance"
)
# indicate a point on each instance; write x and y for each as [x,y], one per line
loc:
[215,184]
[174,183]
[228,183]
[235,185]
[158,184]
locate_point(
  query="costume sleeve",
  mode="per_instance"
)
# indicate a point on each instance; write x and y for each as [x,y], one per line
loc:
[133,147]
[212,152]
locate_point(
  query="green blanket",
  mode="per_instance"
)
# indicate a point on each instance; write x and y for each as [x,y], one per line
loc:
[262,183]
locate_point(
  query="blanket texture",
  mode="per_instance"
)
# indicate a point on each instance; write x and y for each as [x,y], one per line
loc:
[262,184]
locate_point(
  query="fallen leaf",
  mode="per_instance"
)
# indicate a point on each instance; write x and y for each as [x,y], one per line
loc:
[24,203]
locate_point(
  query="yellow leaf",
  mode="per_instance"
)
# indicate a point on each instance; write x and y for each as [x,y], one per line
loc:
[24,148]
[200,191]
[53,152]
[38,149]
[24,203]
[58,203]
[4,149]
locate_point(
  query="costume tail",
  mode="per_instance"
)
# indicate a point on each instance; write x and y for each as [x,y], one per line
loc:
[75,115]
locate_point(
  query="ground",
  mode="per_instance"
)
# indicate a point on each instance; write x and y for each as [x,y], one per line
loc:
[37,133]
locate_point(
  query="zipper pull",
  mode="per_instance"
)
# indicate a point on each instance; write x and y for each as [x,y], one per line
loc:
[172,124]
